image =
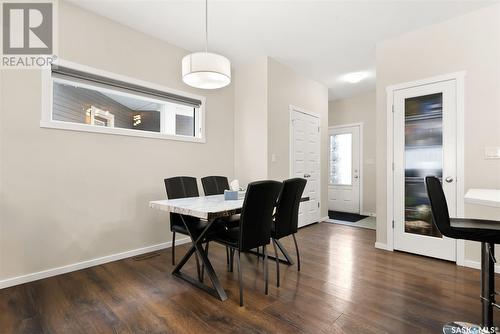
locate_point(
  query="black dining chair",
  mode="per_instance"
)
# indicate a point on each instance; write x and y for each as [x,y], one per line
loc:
[485,231]
[181,187]
[214,185]
[286,217]
[254,229]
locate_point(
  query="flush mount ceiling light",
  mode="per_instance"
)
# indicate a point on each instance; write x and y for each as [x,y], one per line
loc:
[206,70]
[355,77]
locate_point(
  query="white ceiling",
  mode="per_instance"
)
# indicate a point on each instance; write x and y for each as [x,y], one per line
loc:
[319,39]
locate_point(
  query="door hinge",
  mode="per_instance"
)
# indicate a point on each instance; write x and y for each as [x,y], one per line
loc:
[318,129]
[318,204]
[393,224]
[393,108]
[393,166]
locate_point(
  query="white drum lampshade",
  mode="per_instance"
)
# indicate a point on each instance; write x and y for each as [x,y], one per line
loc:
[206,70]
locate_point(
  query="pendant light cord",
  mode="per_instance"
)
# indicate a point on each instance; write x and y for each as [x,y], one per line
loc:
[206,25]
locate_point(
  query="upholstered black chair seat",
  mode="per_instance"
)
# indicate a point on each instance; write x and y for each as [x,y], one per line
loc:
[196,228]
[230,236]
[475,230]
[229,222]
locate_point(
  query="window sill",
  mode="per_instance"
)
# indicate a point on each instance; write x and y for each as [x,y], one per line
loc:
[116,131]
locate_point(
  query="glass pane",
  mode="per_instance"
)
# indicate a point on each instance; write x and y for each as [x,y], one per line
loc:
[341,159]
[423,157]
[102,107]
[184,121]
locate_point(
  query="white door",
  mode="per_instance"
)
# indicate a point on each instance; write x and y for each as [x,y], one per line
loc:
[344,177]
[305,162]
[425,143]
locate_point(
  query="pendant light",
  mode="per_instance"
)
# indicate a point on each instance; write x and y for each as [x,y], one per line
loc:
[206,70]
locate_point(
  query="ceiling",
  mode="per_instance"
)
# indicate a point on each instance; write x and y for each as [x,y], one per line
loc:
[322,40]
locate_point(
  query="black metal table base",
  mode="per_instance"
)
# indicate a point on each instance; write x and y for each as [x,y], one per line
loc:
[487,284]
[287,260]
[197,248]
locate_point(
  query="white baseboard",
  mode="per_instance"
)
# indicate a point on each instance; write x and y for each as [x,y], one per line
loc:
[324,219]
[86,264]
[370,214]
[477,265]
[381,245]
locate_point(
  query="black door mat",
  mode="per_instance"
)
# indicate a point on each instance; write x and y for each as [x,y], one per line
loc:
[345,216]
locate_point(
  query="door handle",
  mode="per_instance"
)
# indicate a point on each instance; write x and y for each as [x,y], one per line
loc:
[356,177]
[449,179]
[307,176]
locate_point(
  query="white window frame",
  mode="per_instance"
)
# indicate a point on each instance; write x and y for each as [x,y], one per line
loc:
[47,96]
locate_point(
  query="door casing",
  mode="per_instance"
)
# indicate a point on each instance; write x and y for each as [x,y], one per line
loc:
[459,77]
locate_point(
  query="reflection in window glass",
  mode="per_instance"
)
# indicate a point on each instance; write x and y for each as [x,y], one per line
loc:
[85,104]
[341,159]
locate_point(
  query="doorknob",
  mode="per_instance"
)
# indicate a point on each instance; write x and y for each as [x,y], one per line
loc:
[307,176]
[356,177]
[449,179]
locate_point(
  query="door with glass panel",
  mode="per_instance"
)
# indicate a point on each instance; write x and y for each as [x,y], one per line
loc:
[344,173]
[424,145]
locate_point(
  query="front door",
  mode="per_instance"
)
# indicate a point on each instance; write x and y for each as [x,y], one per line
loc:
[425,144]
[344,177]
[305,163]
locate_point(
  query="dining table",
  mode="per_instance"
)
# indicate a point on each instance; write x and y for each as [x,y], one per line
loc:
[208,209]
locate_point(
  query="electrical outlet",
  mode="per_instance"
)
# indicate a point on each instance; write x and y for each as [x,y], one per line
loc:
[492,152]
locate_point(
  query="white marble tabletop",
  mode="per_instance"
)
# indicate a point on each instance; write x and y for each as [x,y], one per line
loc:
[204,207]
[487,197]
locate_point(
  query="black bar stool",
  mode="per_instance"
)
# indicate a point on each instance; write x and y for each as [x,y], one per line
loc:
[485,231]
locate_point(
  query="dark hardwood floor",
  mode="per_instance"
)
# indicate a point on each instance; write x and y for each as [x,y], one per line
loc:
[345,286]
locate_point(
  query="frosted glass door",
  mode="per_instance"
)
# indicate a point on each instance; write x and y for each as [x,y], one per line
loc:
[423,157]
[424,145]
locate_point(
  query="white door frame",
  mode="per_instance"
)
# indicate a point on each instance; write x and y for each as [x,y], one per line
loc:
[291,109]
[459,77]
[361,179]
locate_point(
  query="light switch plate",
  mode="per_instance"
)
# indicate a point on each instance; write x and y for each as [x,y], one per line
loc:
[492,152]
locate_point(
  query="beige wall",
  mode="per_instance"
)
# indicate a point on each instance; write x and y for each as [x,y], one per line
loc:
[250,121]
[360,109]
[268,88]
[471,43]
[72,196]
[285,88]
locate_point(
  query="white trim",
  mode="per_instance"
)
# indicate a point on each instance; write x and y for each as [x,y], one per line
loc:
[444,77]
[369,214]
[459,78]
[116,131]
[389,172]
[360,125]
[381,245]
[323,219]
[86,264]
[48,122]
[304,111]
[477,265]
